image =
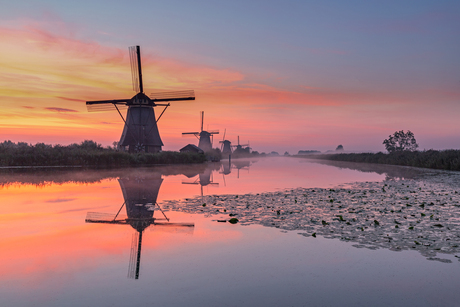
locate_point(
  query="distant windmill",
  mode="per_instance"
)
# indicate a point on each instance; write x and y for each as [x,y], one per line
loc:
[204,137]
[140,196]
[239,146]
[140,132]
[226,147]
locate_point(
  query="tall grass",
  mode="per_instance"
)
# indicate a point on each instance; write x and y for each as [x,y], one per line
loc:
[86,154]
[444,159]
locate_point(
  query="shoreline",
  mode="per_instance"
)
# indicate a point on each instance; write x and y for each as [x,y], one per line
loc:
[428,159]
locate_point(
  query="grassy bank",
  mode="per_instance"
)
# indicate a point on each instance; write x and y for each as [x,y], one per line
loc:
[444,159]
[86,154]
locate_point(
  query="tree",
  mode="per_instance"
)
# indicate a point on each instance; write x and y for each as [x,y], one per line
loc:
[340,147]
[401,141]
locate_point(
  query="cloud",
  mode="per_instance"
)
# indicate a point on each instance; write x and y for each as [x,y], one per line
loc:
[60,200]
[60,110]
[70,99]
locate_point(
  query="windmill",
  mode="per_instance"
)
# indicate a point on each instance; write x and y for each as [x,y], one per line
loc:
[140,195]
[226,147]
[241,149]
[140,132]
[204,137]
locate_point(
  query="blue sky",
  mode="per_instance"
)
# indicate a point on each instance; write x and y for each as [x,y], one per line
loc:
[364,57]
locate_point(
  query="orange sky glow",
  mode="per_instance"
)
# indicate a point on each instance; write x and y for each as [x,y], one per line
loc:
[46,78]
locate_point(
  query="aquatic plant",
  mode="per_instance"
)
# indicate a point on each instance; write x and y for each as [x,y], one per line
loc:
[411,215]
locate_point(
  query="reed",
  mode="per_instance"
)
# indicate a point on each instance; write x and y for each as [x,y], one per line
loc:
[434,159]
[86,154]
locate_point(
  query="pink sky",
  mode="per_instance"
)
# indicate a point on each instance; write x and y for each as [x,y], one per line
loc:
[47,75]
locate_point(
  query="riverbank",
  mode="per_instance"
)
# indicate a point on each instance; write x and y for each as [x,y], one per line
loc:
[433,159]
[87,154]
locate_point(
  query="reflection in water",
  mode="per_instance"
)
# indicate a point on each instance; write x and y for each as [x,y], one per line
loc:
[140,195]
[51,258]
[48,176]
[45,177]
[241,164]
[390,171]
[206,177]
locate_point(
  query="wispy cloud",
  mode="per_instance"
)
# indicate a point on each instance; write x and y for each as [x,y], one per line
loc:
[70,99]
[60,110]
[60,200]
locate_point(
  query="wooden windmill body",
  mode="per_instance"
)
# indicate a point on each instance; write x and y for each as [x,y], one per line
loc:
[226,147]
[140,132]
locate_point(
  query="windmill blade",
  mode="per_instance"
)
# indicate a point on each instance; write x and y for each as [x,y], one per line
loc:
[113,101]
[164,228]
[185,133]
[105,107]
[136,71]
[173,96]
[101,216]
[202,119]
[186,182]
[167,224]
[135,256]
[213,132]
[223,138]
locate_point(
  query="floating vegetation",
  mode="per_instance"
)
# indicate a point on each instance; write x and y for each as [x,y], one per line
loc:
[422,215]
[233,220]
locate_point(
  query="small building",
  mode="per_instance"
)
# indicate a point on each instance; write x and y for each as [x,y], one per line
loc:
[191,148]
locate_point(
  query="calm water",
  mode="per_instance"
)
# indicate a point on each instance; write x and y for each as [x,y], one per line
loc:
[49,255]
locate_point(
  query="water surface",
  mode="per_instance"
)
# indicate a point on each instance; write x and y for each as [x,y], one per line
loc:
[50,256]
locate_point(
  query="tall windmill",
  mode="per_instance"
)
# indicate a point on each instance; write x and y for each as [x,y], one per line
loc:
[226,147]
[140,132]
[140,195]
[204,137]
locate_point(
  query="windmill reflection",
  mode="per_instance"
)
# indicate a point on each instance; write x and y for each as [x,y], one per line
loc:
[241,165]
[140,195]
[206,177]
